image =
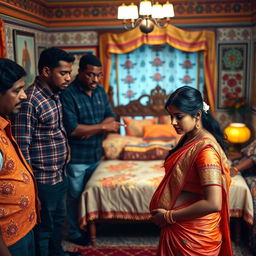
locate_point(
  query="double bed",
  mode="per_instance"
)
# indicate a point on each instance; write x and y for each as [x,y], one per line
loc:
[121,187]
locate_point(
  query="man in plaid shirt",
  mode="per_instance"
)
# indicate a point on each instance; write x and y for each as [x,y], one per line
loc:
[87,116]
[39,131]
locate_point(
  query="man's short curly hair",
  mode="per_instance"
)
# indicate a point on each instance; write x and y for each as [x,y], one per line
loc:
[10,72]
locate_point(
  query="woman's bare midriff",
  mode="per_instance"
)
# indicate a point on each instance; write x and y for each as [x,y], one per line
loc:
[186,197]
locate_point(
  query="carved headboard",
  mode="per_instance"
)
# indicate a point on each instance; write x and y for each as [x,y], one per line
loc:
[154,106]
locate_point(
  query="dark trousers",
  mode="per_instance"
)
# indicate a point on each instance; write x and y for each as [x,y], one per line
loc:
[78,176]
[48,233]
[24,247]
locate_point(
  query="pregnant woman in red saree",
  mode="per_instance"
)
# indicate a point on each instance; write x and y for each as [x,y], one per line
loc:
[191,203]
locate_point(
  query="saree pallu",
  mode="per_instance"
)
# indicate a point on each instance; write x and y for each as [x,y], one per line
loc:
[208,235]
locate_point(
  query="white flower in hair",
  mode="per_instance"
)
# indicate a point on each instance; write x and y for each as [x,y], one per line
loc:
[206,107]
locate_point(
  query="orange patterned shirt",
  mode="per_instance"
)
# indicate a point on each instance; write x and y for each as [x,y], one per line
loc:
[18,200]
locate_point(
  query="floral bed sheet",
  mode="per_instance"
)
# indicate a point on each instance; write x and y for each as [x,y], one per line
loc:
[123,189]
[120,190]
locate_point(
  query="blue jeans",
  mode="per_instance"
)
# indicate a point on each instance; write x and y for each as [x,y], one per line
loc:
[25,246]
[48,233]
[78,175]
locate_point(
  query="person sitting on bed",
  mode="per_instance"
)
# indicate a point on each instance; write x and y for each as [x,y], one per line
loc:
[245,163]
[87,116]
[191,202]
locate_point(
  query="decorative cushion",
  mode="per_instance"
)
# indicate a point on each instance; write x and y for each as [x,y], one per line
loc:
[159,132]
[114,144]
[146,151]
[164,119]
[135,127]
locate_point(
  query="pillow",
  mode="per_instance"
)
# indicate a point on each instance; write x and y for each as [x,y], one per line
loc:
[159,132]
[135,127]
[114,144]
[164,119]
[146,151]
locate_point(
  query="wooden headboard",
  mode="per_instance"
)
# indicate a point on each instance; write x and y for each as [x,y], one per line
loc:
[155,102]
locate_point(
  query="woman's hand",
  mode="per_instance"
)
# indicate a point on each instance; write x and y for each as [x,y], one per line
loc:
[158,217]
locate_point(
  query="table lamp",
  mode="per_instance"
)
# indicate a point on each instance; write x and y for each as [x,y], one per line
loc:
[237,133]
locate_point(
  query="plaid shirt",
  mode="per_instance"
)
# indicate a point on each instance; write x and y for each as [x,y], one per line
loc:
[39,131]
[79,108]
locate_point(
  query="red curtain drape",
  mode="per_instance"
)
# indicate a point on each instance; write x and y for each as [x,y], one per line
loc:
[2,40]
[190,41]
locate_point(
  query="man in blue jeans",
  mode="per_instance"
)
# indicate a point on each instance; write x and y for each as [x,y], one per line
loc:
[41,135]
[87,117]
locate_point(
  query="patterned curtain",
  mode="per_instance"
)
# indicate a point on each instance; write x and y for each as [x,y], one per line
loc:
[182,40]
[133,74]
[2,40]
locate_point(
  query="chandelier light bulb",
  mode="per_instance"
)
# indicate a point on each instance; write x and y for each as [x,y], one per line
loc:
[157,11]
[145,8]
[132,11]
[168,10]
[121,12]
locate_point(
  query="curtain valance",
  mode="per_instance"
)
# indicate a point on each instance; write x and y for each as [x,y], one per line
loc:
[190,41]
[2,40]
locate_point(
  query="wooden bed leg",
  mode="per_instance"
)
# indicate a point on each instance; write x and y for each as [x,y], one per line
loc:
[237,237]
[92,232]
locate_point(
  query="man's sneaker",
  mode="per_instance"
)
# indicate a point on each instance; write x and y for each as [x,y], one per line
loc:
[73,254]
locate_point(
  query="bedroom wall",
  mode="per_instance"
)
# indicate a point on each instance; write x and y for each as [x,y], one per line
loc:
[78,28]
[43,38]
[253,95]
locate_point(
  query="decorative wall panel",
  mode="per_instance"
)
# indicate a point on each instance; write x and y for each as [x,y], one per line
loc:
[234,34]
[81,38]
[232,71]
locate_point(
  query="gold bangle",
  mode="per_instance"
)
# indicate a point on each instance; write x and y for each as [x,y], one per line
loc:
[235,169]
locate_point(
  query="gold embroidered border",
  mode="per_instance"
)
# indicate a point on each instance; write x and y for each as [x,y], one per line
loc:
[210,174]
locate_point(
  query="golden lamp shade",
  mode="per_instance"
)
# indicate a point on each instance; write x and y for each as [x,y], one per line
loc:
[237,133]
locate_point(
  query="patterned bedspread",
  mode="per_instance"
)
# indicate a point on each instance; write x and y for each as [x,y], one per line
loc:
[240,198]
[123,189]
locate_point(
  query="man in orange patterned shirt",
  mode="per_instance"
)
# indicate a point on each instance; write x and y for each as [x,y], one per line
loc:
[18,200]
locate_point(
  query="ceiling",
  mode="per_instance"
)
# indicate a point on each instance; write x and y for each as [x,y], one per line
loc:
[98,14]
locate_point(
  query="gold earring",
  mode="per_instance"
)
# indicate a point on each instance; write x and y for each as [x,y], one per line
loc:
[197,126]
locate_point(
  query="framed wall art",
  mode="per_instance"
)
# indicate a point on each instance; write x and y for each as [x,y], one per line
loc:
[78,52]
[232,71]
[25,54]
[253,95]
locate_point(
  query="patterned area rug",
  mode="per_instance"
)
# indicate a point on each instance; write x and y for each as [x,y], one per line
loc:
[136,250]
[131,239]
[118,251]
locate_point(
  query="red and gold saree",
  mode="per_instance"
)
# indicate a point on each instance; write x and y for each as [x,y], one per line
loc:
[208,235]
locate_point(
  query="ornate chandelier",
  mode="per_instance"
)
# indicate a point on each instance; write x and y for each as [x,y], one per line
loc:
[147,16]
